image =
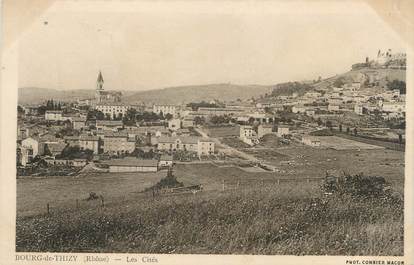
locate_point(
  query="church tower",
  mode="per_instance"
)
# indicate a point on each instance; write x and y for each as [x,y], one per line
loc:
[99,82]
[99,88]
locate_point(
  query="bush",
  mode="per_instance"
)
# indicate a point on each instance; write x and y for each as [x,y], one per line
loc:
[170,181]
[356,185]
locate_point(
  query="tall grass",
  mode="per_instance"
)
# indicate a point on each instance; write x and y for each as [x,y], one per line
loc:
[284,219]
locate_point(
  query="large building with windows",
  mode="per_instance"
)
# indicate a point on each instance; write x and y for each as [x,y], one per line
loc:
[117,143]
[113,110]
[165,109]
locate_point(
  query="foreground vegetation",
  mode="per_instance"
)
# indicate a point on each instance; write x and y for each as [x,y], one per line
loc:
[357,218]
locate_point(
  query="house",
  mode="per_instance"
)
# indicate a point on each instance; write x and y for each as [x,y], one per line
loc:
[132,165]
[113,109]
[89,142]
[102,125]
[282,130]
[246,131]
[183,132]
[35,129]
[26,155]
[56,148]
[310,112]
[72,140]
[201,146]
[31,110]
[34,145]
[394,107]
[78,122]
[311,141]
[165,161]
[335,101]
[299,109]
[312,95]
[54,115]
[264,129]
[174,124]
[205,146]
[188,122]
[333,107]
[79,162]
[165,109]
[248,135]
[118,142]
[359,109]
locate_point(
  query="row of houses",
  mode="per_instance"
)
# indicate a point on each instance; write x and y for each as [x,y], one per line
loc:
[249,135]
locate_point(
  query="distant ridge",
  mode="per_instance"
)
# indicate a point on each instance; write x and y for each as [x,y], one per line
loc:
[36,95]
[185,94]
[170,95]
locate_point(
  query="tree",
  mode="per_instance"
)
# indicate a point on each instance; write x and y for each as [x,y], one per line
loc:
[355,131]
[400,139]
[348,130]
[251,120]
[339,82]
[328,124]
[199,120]
[75,152]
[168,116]
[20,110]
[268,110]
[95,115]
[47,151]
[319,121]
[340,127]
[396,84]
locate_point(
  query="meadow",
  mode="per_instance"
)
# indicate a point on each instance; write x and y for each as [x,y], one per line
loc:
[285,219]
[254,214]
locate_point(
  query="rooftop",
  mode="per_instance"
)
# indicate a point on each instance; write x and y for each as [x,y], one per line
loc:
[133,162]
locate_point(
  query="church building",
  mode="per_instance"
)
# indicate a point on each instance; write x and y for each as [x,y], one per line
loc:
[102,96]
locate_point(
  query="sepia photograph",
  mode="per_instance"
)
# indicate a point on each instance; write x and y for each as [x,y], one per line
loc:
[233,128]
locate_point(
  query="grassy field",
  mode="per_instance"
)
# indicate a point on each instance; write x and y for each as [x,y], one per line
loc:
[62,192]
[255,214]
[297,160]
[286,219]
[223,131]
[293,162]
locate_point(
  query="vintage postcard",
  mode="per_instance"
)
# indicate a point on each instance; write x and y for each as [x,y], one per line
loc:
[183,132]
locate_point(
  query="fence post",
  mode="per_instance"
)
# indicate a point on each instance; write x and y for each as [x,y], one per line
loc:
[223,188]
[238,183]
[278,181]
[102,201]
[48,208]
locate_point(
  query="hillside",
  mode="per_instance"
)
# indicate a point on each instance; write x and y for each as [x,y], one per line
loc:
[34,95]
[37,95]
[360,75]
[200,92]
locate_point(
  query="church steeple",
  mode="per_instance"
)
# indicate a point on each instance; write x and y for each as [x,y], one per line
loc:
[99,82]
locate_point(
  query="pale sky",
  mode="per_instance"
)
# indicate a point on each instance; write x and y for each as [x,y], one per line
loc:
[148,45]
